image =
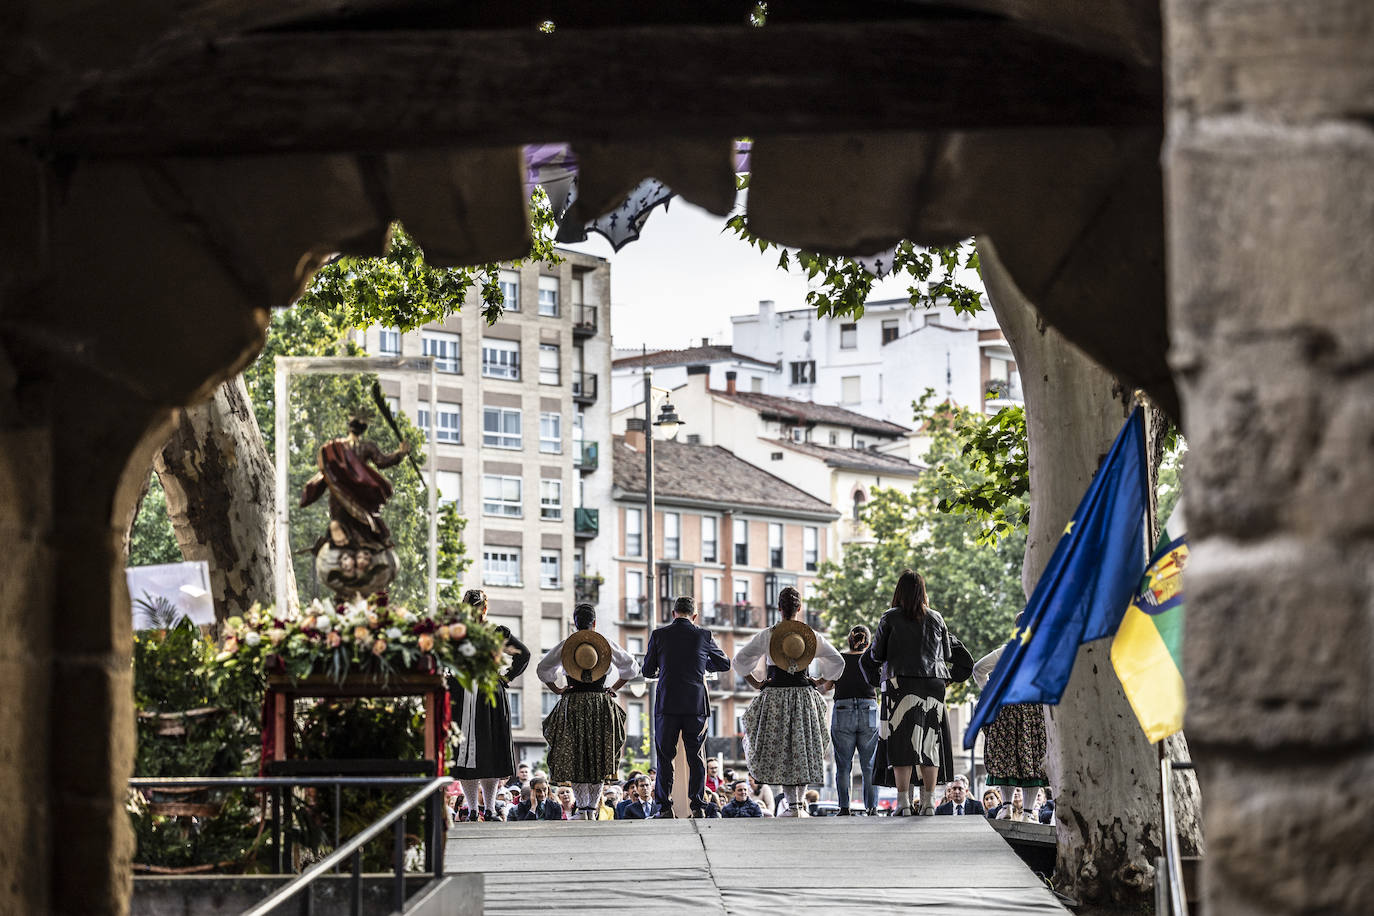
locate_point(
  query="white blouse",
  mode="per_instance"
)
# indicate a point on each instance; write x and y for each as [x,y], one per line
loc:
[550,666]
[753,658]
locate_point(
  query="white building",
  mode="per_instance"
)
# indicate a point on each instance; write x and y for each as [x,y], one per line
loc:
[880,363]
[670,371]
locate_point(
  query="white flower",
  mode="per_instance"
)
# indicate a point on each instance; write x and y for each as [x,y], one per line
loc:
[318,607]
[402,614]
[252,638]
[358,605]
[323,623]
[467,649]
[393,633]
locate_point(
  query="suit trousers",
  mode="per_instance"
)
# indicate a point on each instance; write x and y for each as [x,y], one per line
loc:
[668,729]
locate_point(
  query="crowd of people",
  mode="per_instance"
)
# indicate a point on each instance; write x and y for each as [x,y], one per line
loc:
[888,708]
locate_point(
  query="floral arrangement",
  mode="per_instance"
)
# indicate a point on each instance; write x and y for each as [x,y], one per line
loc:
[365,636]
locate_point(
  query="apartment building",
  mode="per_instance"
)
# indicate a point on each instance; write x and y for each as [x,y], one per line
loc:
[726,533]
[670,371]
[879,363]
[523,433]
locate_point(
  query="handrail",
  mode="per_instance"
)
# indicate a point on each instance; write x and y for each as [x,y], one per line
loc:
[353,848]
[248,782]
[1178,894]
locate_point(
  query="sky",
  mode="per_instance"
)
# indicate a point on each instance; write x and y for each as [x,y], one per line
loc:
[685,276]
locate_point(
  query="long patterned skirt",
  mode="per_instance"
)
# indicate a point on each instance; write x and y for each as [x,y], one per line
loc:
[586,734]
[786,741]
[912,729]
[485,750]
[1014,746]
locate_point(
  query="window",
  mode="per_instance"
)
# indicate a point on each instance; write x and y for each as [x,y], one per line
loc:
[577,291]
[515,624]
[549,372]
[551,433]
[551,500]
[891,328]
[811,548]
[579,562]
[709,535]
[834,438]
[547,701]
[804,373]
[450,487]
[448,422]
[858,505]
[634,594]
[389,343]
[713,724]
[634,645]
[799,434]
[550,633]
[393,404]
[672,536]
[849,389]
[548,296]
[510,289]
[501,566]
[849,336]
[775,545]
[500,358]
[501,496]
[501,427]
[634,721]
[741,591]
[445,348]
[517,709]
[550,569]
[710,596]
[756,384]
[634,532]
[741,540]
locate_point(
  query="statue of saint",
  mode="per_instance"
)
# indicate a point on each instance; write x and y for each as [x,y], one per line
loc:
[355,556]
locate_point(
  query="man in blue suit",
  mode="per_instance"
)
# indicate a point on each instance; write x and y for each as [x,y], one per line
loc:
[679,655]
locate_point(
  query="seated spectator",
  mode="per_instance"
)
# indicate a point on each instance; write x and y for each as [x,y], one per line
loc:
[762,796]
[992,800]
[637,805]
[521,779]
[713,779]
[742,805]
[606,810]
[565,801]
[502,808]
[711,805]
[957,801]
[537,805]
[813,799]
[1044,805]
[1015,810]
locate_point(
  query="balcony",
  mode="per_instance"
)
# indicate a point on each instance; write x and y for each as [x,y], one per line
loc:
[586,522]
[584,320]
[587,588]
[584,387]
[731,748]
[634,610]
[721,682]
[748,617]
[716,615]
[586,456]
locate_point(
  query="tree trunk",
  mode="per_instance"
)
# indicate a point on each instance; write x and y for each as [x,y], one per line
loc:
[220,490]
[1104,770]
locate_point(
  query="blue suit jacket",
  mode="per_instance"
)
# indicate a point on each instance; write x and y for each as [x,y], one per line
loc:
[679,655]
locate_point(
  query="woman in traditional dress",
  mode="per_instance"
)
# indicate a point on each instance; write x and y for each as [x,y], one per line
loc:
[586,729]
[486,754]
[786,740]
[915,646]
[1014,741]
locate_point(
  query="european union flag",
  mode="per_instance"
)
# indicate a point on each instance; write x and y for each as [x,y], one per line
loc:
[1085,589]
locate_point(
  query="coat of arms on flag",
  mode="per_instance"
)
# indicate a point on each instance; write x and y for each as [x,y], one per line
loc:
[1147,652]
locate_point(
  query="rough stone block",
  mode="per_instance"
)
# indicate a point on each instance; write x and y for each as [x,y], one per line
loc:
[93,726]
[92,872]
[1278,650]
[1293,838]
[1308,60]
[1270,232]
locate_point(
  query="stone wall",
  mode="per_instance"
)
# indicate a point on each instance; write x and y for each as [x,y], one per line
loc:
[1270,183]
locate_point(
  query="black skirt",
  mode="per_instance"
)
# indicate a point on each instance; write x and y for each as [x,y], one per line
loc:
[913,729]
[485,750]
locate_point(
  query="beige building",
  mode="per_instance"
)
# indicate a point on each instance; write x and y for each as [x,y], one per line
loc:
[726,533]
[522,430]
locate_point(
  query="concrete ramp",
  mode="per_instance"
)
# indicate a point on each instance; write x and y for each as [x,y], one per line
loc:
[765,867]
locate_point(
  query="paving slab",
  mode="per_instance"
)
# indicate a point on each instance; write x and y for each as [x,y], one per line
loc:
[764,867]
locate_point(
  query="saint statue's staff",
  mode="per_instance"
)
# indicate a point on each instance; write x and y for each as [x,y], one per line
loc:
[382,406]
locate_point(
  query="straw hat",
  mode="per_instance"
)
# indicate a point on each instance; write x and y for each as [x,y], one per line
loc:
[586,656]
[792,646]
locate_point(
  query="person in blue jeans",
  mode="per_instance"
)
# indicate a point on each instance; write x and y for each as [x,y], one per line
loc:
[854,719]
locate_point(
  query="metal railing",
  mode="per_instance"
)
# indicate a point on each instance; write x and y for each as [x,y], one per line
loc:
[353,848]
[584,386]
[1175,894]
[584,319]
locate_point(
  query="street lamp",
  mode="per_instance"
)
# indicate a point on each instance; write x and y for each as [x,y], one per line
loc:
[670,423]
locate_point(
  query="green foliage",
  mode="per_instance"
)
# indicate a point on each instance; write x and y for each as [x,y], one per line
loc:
[151,541]
[228,841]
[320,406]
[995,495]
[845,285]
[974,581]
[1169,486]
[400,290]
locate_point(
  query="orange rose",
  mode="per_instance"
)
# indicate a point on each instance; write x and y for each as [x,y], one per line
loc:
[458,630]
[275,636]
[425,642]
[379,647]
[360,634]
[334,639]
[442,633]
[372,621]
[231,643]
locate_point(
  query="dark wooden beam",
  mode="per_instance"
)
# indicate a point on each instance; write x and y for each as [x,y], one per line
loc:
[363,91]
